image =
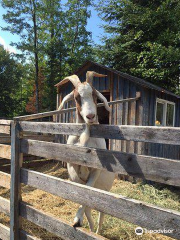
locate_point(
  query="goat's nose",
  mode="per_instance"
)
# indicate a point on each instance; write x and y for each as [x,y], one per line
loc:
[90,116]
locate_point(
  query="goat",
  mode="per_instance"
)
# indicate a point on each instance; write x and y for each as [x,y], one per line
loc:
[85,96]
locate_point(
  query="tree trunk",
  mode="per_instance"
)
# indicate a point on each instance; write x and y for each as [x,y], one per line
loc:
[33,4]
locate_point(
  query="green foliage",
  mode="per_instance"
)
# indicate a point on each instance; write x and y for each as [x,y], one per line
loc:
[12,95]
[54,36]
[143,39]
[66,41]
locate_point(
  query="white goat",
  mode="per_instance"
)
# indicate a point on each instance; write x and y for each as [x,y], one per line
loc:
[85,97]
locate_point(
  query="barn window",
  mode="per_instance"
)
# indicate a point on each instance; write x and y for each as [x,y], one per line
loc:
[165,113]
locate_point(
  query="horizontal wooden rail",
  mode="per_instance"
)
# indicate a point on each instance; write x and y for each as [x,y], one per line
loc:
[5,139]
[5,206]
[134,211]
[5,234]
[152,168]
[5,129]
[5,231]
[51,224]
[166,135]
[5,151]
[51,113]
[56,226]
[5,179]
[5,122]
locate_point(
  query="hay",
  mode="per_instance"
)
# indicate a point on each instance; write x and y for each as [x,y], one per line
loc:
[113,228]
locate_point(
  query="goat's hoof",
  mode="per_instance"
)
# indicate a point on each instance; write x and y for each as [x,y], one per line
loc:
[77,222]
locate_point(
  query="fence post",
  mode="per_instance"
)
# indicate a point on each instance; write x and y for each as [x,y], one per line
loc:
[15,191]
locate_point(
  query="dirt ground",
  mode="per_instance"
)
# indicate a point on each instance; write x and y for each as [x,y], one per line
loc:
[113,228]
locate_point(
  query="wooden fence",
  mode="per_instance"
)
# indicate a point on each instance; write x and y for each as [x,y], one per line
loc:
[161,170]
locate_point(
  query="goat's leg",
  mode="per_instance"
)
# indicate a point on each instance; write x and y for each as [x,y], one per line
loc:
[89,218]
[100,222]
[93,176]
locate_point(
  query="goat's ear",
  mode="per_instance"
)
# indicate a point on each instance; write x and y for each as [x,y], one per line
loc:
[67,98]
[104,100]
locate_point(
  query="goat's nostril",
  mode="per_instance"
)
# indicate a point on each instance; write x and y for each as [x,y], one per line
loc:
[90,116]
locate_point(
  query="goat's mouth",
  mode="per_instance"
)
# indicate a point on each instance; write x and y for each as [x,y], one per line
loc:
[90,118]
[90,121]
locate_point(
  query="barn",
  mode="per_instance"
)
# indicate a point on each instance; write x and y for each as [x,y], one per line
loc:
[155,107]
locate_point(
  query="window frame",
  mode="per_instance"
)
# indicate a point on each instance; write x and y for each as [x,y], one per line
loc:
[165,102]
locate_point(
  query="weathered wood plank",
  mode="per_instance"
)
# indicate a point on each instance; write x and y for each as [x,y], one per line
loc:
[166,135]
[56,226]
[47,114]
[5,129]
[5,151]
[5,122]
[139,119]
[26,236]
[5,179]
[5,139]
[134,211]
[15,191]
[48,138]
[152,168]
[4,206]
[4,232]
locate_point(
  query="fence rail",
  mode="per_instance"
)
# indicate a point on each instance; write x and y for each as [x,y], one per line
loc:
[5,231]
[152,168]
[56,112]
[5,178]
[166,135]
[5,151]
[137,212]
[134,211]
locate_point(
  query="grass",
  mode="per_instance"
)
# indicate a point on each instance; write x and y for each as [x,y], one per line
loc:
[113,228]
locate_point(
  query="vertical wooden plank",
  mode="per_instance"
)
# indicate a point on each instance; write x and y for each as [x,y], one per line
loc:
[152,106]
[125,111]
[139,118]
[15,192]
[110,76]
[120,106]
[115,86]
[117,112]
[132,113]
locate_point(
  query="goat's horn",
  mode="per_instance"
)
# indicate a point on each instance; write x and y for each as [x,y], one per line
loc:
[74,79]
[91,74]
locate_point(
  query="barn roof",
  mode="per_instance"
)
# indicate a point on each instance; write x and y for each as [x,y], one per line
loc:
[136,80]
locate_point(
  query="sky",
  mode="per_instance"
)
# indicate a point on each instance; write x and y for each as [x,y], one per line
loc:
[94,26]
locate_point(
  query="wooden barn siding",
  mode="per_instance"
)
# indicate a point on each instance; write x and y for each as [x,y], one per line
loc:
[126,113]
[141,112]
[154,149]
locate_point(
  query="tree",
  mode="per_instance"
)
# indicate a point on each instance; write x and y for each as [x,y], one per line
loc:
[31,103]
[11,78]
[66,41]
[143,39]
[22,19]
[55,37]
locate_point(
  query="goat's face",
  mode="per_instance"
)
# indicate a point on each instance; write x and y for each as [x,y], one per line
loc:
[85,97]
[86,102]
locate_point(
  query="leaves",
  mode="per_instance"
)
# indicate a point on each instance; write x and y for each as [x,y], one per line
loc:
[144,39]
